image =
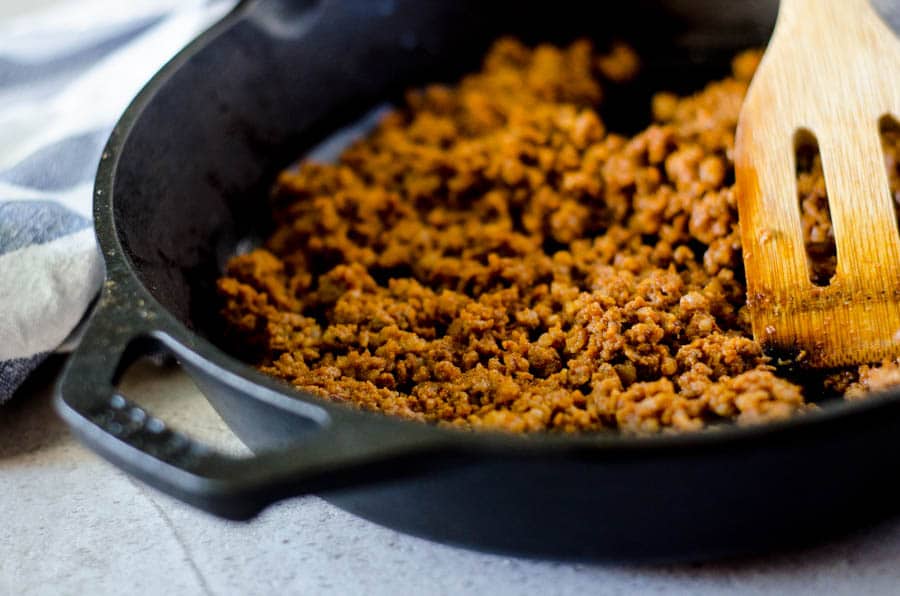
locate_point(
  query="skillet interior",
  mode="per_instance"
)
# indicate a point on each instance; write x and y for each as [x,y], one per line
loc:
[190,183]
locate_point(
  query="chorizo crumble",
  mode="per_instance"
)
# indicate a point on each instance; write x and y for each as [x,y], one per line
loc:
[492,257]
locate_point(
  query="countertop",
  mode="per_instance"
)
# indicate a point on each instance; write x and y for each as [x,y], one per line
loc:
[74,524]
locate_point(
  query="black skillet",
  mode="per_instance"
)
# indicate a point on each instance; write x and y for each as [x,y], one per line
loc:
[183,180]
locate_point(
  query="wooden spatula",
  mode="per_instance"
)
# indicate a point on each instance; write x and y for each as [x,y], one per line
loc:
[831,68]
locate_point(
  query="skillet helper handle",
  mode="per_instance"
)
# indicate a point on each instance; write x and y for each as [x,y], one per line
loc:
[343,452]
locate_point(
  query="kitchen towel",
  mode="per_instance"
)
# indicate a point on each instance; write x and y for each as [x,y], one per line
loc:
[67,71]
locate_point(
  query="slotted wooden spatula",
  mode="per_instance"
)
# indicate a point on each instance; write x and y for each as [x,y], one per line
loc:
[831,68]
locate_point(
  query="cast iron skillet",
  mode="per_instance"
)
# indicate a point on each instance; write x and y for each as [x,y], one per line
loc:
[183,181]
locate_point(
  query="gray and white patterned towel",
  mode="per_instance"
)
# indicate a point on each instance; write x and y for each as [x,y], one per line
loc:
[67,71]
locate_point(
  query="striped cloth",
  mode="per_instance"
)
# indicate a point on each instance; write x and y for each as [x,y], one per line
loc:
[66,73]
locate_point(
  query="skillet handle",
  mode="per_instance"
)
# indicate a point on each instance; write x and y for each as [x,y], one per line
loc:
[345,450]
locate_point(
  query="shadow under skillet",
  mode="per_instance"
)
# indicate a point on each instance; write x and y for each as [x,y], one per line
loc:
[28,422]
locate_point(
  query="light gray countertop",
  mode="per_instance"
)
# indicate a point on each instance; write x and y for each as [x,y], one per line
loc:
[73,524]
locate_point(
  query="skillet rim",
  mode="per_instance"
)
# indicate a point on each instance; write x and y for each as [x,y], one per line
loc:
[121,275]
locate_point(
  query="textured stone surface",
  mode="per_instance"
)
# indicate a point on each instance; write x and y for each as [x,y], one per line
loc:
[73,524]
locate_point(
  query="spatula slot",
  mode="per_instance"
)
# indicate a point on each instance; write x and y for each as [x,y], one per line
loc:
[815,213]
[889,129]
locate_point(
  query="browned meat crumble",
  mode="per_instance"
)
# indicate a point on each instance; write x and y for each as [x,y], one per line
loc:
[492,257]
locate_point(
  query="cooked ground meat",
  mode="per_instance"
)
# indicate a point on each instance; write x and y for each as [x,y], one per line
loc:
[492,257]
